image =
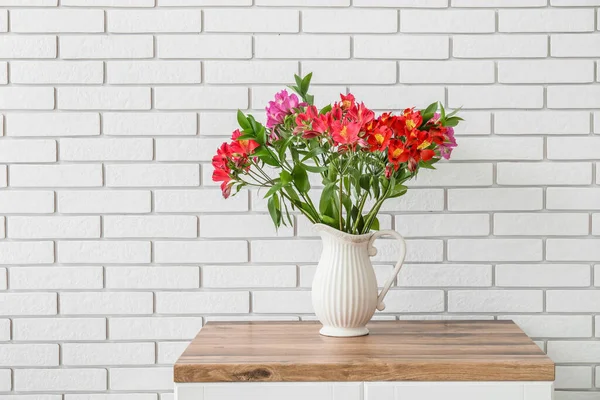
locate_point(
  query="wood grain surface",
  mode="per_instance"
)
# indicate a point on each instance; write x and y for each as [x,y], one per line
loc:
[393,351]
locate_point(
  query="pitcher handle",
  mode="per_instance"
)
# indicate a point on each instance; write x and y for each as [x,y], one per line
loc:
[373,251]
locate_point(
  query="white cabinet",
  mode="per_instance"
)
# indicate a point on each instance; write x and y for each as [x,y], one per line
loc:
[364,391]
[458,391]
[270,391]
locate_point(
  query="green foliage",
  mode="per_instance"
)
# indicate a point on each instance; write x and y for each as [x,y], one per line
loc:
[302,85]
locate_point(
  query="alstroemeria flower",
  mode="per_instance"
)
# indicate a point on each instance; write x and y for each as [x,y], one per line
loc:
[345,133]
[335,114]
[443,136]
[282,106]
[422,138]
[222,175]
[449,144]
[220,159]
[347,101]
[361,114]
[304,121]
[412,119]
[244,147]
[319,127]
[397,153]
[222,172]
[379,138]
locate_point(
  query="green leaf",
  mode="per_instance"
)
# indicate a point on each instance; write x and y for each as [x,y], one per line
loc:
[295,89]
[310,99]
[246,136]
[284,147]
[287,214]
[301,178]
[274,210]
[428,113]
[312,168]
[365,182]
[452,121]
[443,113]
[261,134]
[325,109]
[453,113]
[332,172]
[253,123]
[298,81]
[292,193]
[307,209]
[428,164]
[306,83]
[398,190]
[385,183]
[274,189]
[352,171]
[295,156]
[375,224]
[432,108]
[285,177]
[347,202]
[313,153]
[358,218]
[266,156]
[376,188]
[242,120]
[326,197]
[326,219]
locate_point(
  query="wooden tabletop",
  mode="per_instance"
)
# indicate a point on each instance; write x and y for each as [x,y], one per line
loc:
[393,351]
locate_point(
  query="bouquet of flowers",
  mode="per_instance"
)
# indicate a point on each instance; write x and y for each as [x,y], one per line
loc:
[360,158]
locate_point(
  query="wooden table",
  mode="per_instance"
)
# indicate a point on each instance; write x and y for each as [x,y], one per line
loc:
[398,360]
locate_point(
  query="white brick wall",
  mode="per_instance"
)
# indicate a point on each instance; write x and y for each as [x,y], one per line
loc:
[115,246]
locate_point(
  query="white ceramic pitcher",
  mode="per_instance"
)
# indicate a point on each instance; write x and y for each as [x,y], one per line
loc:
[344,291]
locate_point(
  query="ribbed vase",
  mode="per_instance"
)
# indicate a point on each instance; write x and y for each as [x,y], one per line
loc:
[344,290]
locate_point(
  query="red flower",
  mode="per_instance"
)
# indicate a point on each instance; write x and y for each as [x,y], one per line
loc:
[222,172]
[389,171]
[305,118]
[412,164]
[347,101]
[244,147]
[222,175]
[319,128]
[310,124]
[345,133]
[427,155]
[397,153]
[222,157]
[335,114]
[361,114]
[379,138]
[395,123]
[412,120]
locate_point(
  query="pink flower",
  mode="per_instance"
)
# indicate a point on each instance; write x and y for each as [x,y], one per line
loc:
[449,144]
[448,141]
[283,105]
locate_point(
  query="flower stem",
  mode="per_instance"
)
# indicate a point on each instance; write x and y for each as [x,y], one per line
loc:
[373,213]
[268,182]
[341,193]
[361,205]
